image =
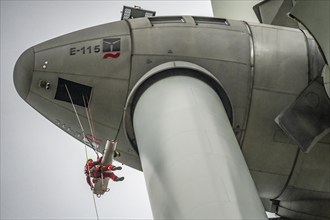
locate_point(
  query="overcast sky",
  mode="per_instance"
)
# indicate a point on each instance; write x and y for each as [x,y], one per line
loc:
[41,166]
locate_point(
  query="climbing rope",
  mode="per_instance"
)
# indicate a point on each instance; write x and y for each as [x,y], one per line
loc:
[97,214]
[88,118]
[90,122]
[75,111]
[82,130]
[91,127]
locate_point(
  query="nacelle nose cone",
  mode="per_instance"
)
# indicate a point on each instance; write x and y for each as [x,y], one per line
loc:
[23,73]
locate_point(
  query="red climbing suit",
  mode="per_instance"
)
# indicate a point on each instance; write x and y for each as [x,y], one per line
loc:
[94,169]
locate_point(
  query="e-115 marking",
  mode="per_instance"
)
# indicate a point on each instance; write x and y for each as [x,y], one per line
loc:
[85,50]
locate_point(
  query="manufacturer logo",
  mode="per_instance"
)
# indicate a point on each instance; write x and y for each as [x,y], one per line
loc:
[111,47]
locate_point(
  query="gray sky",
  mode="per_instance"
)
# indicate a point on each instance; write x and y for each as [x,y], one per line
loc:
[41,166]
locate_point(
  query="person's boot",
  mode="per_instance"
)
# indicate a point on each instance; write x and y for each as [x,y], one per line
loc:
[119,179]
[117,168]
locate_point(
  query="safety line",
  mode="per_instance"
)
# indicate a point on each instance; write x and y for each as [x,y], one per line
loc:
[82,129]
[97,214]
[90,115]
[74,108]
[86,153]
[91,145]
[95,206]
[88,118]
[90,122]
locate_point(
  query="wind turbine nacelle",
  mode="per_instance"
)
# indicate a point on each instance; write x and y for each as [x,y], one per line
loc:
[106,67]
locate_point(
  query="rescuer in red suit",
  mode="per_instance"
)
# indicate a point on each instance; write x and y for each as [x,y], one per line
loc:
[94,169]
